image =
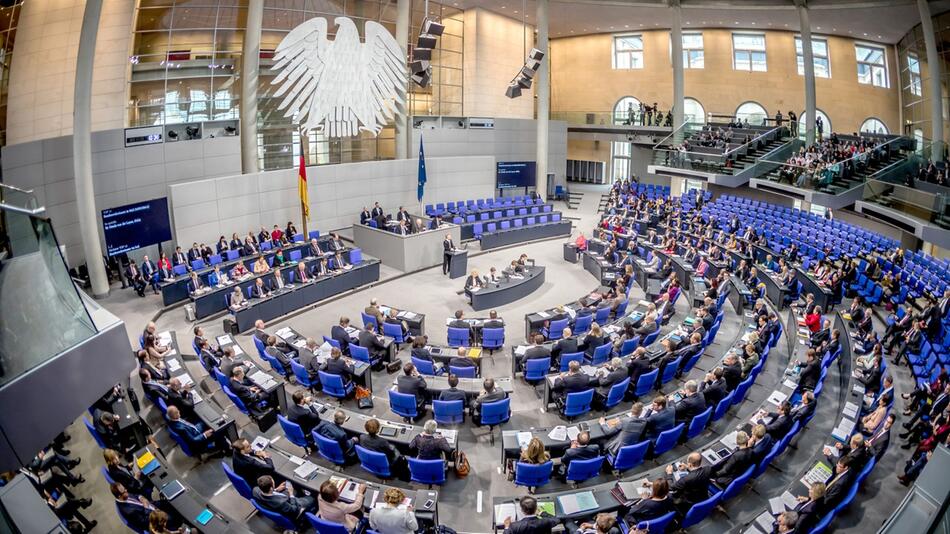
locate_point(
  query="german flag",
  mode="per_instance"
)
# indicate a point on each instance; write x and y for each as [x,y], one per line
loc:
[302,189]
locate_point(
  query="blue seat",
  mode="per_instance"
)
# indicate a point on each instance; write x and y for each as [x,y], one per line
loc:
[645,383]
[259,345]
[736,485]
[692,361]
[197,265]
[578,403]
[629,456]
[403,404]
[493,338]
[532,475]
[601,354]
[651,338]
[232,255]
[667,439]
[219,376]
[742,389]
[369,320]
[723,407]
[374,462]
[568,357]
[616,393]
[360,353]
[322,526]
[425,367]
[282,522]
[95,434]
[822,525]
[536,368]
[394,331]
[458,337]
[241,485]
[582,324]
[328,448]
[236,400]
[469,371]
[581,470]
[658,525]
[303,377]
[629,345]
[427,471]
[448,412]
[554,330]
[180,269]
[333,385]
[700,510]
[293,432]
[698,423]
[215,259]
[105,475]
[669,372]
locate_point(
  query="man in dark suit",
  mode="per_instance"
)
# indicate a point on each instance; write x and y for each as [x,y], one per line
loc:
[535,352]
[447,248]
[912,342]
[260,289]
[881,438]
[581,449]
[692,404]
[302,413]
[609,375]
[307,358]
[489,394]
[856,451]
[334,430]
[181,398]
[740,460]
[365,216]
[153,390]
[336,365]
[244,388]
[530,522]
[660,418]
[840,483]
[811,371]
[804,409]
[713,387]
[179,257]
[148,273]
[566,345]
[250,464]
[572,381]
[781,421]
[134,509]
[135,278]
[687,352]
[199,439]
[377,210]
[369,340]
[453,393]
[638,364]
[493,321]
[403,215]
[692,487]
[410,383]
[272,351]
[281,500]
[338,333]
[761,443]
[628,432]
[462,360]
[209,360]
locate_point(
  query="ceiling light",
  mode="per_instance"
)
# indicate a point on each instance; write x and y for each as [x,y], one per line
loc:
[819,27]
[516,12]
[865,35]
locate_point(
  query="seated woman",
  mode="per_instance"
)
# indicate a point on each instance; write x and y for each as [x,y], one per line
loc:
[238,300]
[261,266]
[239,271]
[871,421]
[657,505]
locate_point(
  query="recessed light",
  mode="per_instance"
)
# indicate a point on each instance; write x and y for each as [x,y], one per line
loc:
[503,7]
[626,25]
[641,25]
[865,35]
[753,24]
[516,12]
[819,27]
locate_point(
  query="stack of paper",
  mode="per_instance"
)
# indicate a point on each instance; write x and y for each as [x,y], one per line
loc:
[729,440]
[577,502]
[172,364]
[573,432]
[777,397]
[558,433]
[504,511]
[851,410]
[524,438]
[819,473]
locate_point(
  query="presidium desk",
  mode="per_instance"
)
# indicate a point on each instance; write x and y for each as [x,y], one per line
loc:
[410,252]
[509,290]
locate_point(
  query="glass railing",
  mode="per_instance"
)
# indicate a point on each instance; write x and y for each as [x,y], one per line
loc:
[43,313]
[924,205]
[612,118]
[671,151]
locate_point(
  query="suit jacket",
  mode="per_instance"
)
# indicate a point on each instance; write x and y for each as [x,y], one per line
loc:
[330,430]
[762,448]
[587,452]
[629,432]
[182,401]
[251,467]
[260,291]
[606,382]
[412,385]
[802,411]
[338,334]
[713,392]
[648,509]
[536,353]
[486,398]
[457,361]
[493,323]
[879,442]
[339,367]
[308,361]
[532,525]
[732,374]
[243,390]
[135,513]
[690,407]
[725,472]
[810,374]
[637,367]
[193,434]
[694,487]
[280,503]
[369,340]
[378,444]
[838,487]
[779,426]
[279,355]
[365,217]
[572,383]
[473,281]
[452,394]
[305,416]
[564,346]
[660,421]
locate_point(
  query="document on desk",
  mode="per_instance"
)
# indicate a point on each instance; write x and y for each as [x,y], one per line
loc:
[259,377]
[225,339]
[577,502]
[521,349]
[850,409]
[820,472]
[573,432]
[450,435]
[764,521]
[505,511]
[185,380]
[407,315]
[173,364]
[544,314]
[524,438]
[558,433]
[776,505]
[285,332]
[729,440]
[237,349]
[790,384]
[777,397]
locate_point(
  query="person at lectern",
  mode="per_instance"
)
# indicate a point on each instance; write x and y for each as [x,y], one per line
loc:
[448,247]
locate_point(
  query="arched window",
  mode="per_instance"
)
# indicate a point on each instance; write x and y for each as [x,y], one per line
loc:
[873,125]
[819,114]
[752,111]
[626,110]
[919,140]
[693,111]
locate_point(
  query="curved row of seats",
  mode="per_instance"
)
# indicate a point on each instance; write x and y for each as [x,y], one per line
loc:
[463,206]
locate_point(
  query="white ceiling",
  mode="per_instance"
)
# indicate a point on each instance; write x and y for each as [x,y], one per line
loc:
[876,20]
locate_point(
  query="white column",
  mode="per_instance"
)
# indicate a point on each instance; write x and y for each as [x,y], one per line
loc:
[250,65]
[934,62]
[403,132]
[676,34]
[82,149]
[809,66]
[542,88]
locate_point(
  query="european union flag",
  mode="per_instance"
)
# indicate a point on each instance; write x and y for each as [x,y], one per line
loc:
[422,172]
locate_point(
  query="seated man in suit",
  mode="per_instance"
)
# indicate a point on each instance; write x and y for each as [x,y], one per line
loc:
[252,396]
[660,418]
[581,449]
[334,430]
[410,383]
[248,463]
[572,381]
[760,442]
[302,413]
[260,289]
[566,345]
[198,438]
[281,500]
[371,441]
[391,318]
[535,352]
[781,421]
[805,408]
[134,509]
[180,397]
[638,365]
[373,311]
[307,358]
[365,216]
[840,483]
[336,365]
[692,404]
[713,387]
[856,451]
[453,393]
[271,350]
[629,432]
[460,322]
[320,268]
[370,341]
[339,334]
[811,371]
[531,522]
[154,390]
[461,360]
[694,486]
[493,321]
[740,460]
[687,352]
[612,373]
[731,371]
[489,394]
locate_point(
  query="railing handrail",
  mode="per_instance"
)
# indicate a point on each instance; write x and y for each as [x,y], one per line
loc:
[755,139]
[671,134]
[15,188]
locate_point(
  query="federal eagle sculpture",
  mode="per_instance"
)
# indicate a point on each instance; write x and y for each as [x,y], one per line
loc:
[343,86]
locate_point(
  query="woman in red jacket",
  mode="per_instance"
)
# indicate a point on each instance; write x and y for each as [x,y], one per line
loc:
[813,320]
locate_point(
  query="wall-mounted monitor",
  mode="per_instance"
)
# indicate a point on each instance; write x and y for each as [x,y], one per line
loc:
[134,226]
[514,174]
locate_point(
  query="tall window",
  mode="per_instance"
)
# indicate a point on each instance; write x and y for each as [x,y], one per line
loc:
[693,55]
[913,71]
[819,52]
[626,110]
[873,125]
[752,111]
[628,52]
[872,65]
[693,111]
[748,52]
[620,160]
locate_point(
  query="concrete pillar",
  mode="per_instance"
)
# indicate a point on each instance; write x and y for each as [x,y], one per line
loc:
[250,65]
[403,131]
[934,62]
[676,34]
[542,88]
[82,149]
[808,60]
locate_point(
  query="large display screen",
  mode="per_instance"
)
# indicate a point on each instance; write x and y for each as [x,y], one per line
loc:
[511,174]
[134,226]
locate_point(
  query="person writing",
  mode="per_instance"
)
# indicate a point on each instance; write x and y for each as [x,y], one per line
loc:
[390,518]
[474,281]
[531,522]
[332,509]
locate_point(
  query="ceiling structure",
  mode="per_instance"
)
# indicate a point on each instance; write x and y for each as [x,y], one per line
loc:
[874,20]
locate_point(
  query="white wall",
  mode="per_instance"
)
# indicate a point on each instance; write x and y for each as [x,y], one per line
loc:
[203,210]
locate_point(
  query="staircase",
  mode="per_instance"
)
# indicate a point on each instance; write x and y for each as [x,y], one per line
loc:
[839,184]
[573,199]
[745,161]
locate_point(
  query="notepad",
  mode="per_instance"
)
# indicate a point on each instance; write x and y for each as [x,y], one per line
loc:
[558,433]
[145,459]
[577,502]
